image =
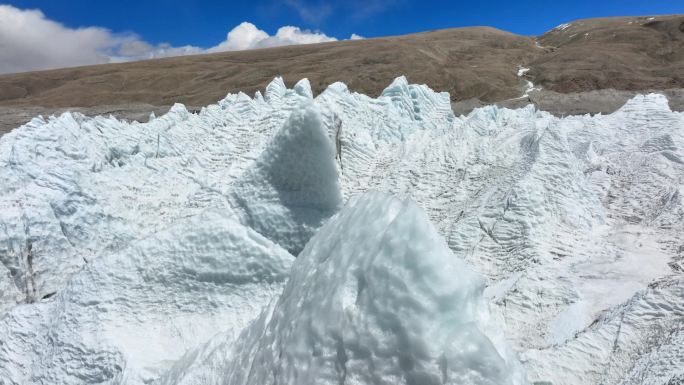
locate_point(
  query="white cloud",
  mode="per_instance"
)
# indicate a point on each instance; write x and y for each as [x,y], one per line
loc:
[294,35]
[248,36]
[356,37]
[29,41]
[244,36]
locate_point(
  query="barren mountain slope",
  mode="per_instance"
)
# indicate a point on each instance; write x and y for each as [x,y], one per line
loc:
[475,65]
[632,53]
[466,62]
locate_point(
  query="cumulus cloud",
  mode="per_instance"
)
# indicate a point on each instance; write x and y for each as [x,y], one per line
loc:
[29,41]
[248,36]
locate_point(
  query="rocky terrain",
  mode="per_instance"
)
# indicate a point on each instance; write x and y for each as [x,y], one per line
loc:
[477,66]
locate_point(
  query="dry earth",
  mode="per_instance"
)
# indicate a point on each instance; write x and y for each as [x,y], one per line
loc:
[616,56]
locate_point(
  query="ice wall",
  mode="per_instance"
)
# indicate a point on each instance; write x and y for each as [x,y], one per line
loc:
[292,188]
[376,297]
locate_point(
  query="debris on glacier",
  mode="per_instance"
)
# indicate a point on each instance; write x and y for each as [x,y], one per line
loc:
[376,297]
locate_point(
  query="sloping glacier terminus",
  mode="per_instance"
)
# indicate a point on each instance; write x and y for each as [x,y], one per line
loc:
[342,239]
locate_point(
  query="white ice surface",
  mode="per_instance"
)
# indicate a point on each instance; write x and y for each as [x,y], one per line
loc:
[529,86]
[376,297]
[575,224]
[127,316]
[292,188]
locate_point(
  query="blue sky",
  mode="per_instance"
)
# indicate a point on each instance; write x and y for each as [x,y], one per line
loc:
[45,34]
[203,23]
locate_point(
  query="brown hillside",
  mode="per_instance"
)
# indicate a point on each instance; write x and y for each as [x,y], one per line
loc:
[630,53]
[475,65]
[466,62]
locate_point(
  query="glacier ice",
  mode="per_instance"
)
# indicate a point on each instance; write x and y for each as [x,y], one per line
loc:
[110,231]
[376,297]
[292,188]
[127,316]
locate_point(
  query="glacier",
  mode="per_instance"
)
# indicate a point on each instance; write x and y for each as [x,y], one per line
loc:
[376,297]
[182,250]
[126,315]
[288,193]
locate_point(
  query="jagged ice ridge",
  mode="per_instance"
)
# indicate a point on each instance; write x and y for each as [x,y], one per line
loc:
[165,252]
